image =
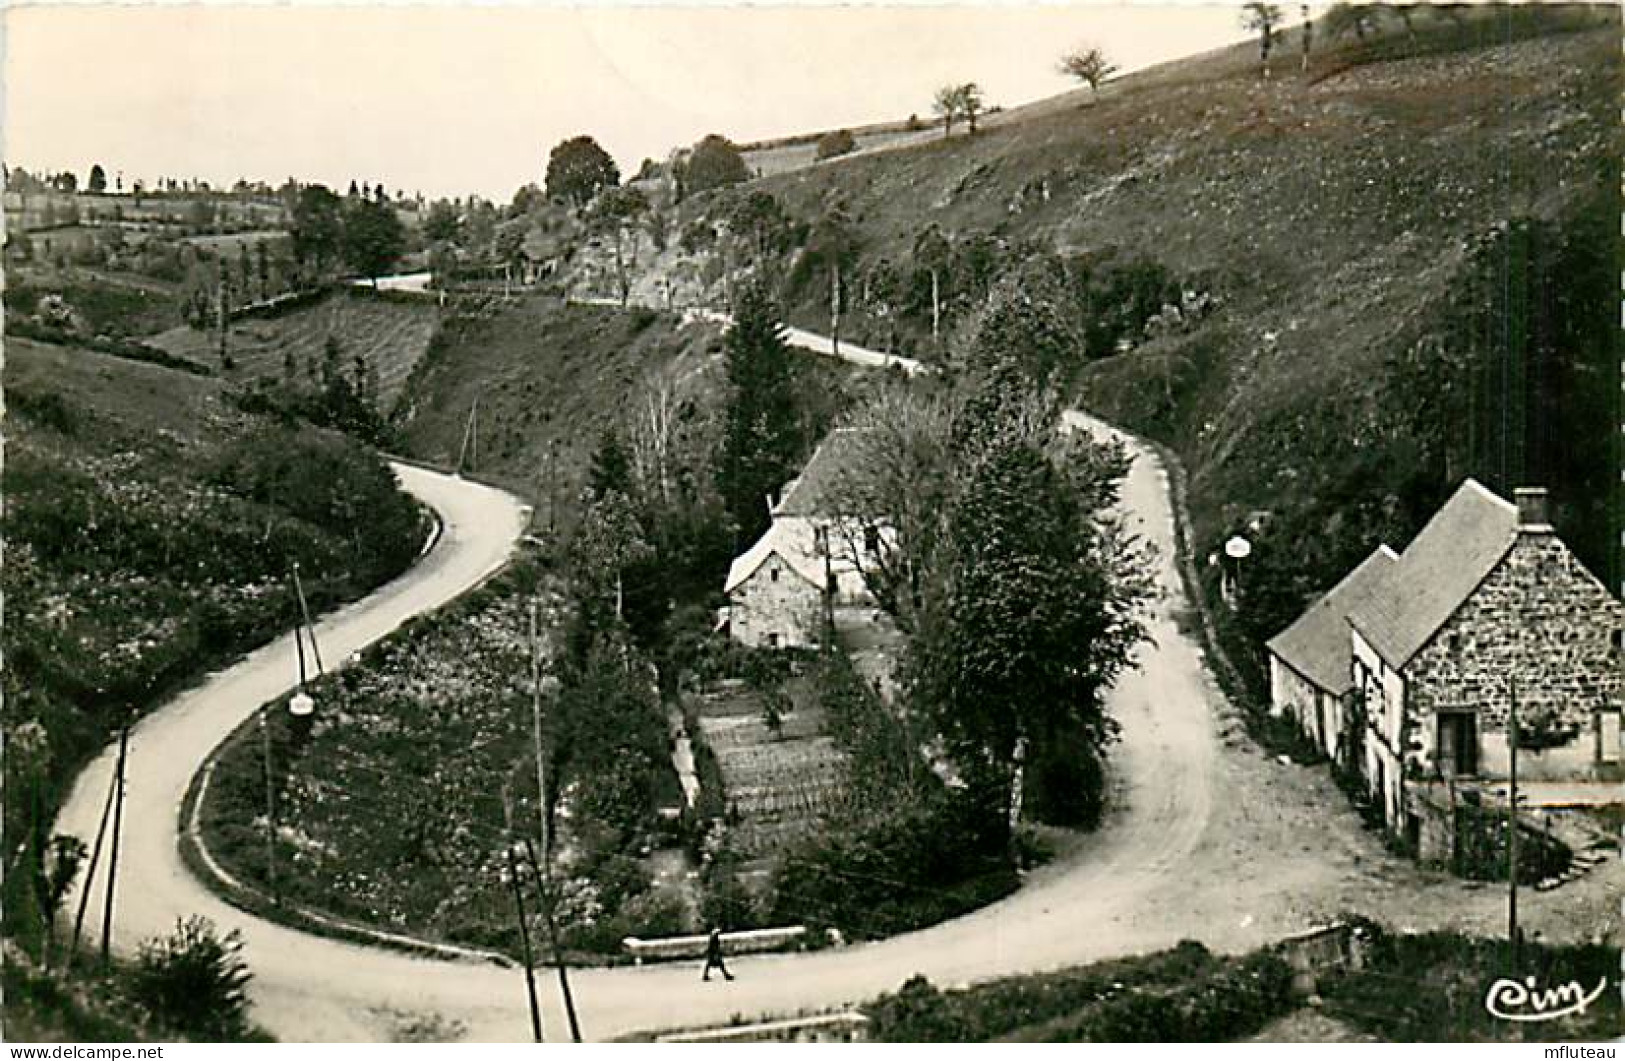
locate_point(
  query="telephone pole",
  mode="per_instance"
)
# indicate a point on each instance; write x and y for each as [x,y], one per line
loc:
[309,631]
[524,941]
[90,871]
[1512,822]
[118,821]
[544,887]
[270,811]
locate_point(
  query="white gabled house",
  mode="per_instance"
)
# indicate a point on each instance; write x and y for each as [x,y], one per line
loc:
[781,590]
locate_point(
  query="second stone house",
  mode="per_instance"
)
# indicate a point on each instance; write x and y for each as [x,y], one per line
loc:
[1408,672]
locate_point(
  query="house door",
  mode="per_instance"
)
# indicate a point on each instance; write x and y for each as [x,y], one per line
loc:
[1458,743]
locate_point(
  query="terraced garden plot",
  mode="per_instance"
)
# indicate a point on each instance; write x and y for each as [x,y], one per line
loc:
[392,336]
[779,786]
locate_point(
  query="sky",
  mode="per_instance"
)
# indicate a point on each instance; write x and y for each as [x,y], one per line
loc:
[452,100]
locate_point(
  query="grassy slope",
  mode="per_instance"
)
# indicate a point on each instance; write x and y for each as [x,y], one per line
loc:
[109,482]
[1332,212]
[551,374]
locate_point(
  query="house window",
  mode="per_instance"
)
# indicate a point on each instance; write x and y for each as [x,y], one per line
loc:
[871,540]
[1458,743]
[773,574]
[772,640]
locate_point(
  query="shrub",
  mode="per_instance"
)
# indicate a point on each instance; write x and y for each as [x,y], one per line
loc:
[840,142]
[194,981]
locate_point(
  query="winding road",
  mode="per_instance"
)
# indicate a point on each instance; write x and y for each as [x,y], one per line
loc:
[1127,888]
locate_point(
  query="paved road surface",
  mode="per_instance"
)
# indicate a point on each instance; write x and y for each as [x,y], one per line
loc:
[1101,900]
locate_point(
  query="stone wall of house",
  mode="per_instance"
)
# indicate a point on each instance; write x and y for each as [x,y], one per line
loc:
[775,600]
[1539,616]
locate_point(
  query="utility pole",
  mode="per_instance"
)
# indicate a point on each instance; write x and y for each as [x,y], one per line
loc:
[118,821]
[541,870]
[524,941]
[536,725]
[1512,822]
[270,811]
[310,628]
[835,308]
[544,888]
[90,871]
[552,484]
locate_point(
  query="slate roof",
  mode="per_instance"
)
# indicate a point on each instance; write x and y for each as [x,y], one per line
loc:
[812,493]
[1439,570]
[1317,646]
[787,540]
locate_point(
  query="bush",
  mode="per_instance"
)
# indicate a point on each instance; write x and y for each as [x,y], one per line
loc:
[919,863]
[840,142]
[194,981]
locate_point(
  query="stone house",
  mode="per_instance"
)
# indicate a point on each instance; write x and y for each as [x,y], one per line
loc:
[781,591]
[1486,606]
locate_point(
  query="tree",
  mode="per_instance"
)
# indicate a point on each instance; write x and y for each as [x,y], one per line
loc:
[1088,64]
[1342,17]
[713,163]
[933,255]
[318,226]
[970,103]
[195,982]
[894,491]
[98,179]
[610,467]
[759,220]
[54,875]
[1262,18]
[610,540]
[373,237]
[1031,611]
[946,105]
[761,436]
[441,224]
[617,212]
[577,168]
[832,248]
[1023,323]
[834,144]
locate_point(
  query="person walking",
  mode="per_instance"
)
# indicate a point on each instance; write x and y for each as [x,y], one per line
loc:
[713,956]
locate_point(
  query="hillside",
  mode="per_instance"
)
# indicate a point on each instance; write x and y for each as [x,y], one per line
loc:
[1403,259]
[150,527]
[550,378]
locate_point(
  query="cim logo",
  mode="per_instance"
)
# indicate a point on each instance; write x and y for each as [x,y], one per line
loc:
[1525,1002]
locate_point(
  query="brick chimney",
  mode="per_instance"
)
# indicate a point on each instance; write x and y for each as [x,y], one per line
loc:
[1532,514]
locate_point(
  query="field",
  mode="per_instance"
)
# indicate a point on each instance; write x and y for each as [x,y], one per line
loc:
[392,336]
[776,786]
